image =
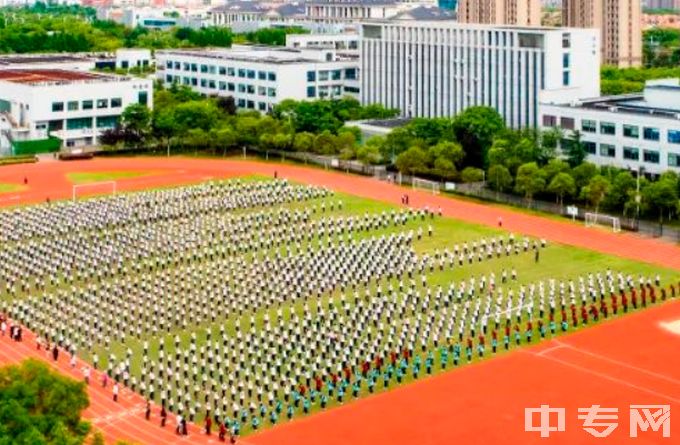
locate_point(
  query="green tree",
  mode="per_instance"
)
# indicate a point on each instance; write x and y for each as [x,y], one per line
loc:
[574,149]
[137,118]
[98,439]
[303,142]
[552,168]
[38,406]
[412,161]
[622,186]
[583,173]
[562,184]
[475,129]
[661,196]
[472,174]
[450,151]
[499,178]
[596,190]
[530,180]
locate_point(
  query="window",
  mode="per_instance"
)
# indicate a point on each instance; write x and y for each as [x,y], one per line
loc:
[262,75]
[223,71]
[102,103]
[566,40]
[323,75]
[204,68]
[607,150]
[590,147]
[168,78]
[271,76]
[549,121]
[674,136]
[251,75]
[116,102]
[73,105]
[251,89]
[631,153]
[194,81]
[241,72]
[187,66]
[631,131]
[567,123]
[231,86]
[351,73]
[588,126]
[231,72]
[262,91]
[212,69]
[565,78]
[59,106]
[311,91]
[241,103]
[650,134]
[143,97]
[565,60]
[673,160]
[336,74]
[194,67]
[271,92]
[211,84]
[107,121]
[168,64]
[87,105]
[241,88]
[177,65]
[262,106]
[204,83]
[607,128]
[223,85]
[311,76]
[250,104]
[79,123]
[650,156]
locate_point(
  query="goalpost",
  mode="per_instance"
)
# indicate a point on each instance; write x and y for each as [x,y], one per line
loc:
[597,219]
[95,185]
[426,184]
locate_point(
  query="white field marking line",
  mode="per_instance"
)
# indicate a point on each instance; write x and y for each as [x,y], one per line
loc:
[671,326]
[10,198]
[618,362]
[549,350]
[133,411]
[608,377]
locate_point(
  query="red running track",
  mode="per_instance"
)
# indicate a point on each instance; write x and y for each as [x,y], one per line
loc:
[624,362]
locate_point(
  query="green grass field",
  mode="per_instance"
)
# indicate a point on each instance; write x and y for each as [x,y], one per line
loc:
[90,177]
[556,261]
[10,188]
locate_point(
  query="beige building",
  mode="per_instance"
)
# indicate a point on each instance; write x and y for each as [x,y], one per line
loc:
[500,12]
[620,22]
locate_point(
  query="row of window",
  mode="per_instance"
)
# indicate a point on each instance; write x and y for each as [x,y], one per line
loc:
[325,91]
[223,86]
[261,106]
[324,75]
[86,122]
[609,128]
[74,105]
[222,70]
[630,153]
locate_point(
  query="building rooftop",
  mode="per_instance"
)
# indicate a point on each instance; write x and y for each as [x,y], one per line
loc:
[253,53]
[9,60]
[54,77]
[657,100]
[426,12]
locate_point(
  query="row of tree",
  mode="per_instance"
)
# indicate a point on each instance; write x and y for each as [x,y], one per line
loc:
[183,119]
[56,28]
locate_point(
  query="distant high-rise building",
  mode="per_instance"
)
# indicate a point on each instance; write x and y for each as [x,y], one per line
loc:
[500,12]
[662,4]
[619,22]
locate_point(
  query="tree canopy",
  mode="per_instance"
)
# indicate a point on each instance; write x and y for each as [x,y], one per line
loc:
[38,406]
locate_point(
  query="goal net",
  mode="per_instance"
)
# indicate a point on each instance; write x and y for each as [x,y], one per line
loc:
[426,184]
[597,219]
[94,188]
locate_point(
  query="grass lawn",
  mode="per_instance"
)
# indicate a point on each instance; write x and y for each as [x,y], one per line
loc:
[557,261]
[9,188]
[90,177]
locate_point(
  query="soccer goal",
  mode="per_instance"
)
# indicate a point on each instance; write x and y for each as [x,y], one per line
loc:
[597,219]
[95,188]
[425,184]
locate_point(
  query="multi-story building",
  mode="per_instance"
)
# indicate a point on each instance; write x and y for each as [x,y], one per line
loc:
[432,69]
[344,42]
[635,131]
[620,22]
[73,106]
[259,77]
[500,12]
[662,4]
